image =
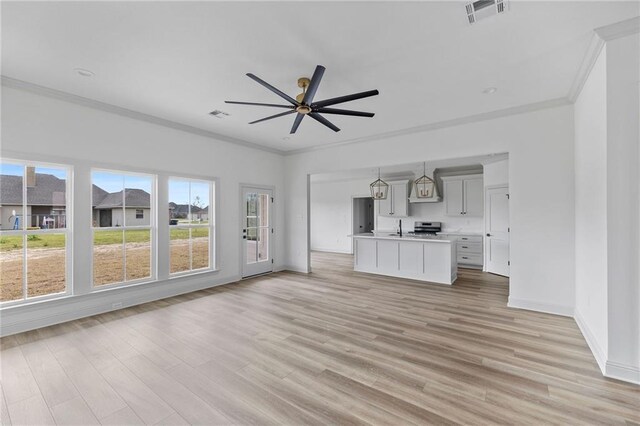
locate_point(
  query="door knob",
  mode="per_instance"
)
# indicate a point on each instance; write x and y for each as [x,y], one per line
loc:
[488,235]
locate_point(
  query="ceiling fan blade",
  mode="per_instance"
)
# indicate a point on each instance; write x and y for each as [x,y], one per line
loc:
[273,116]
[346,98]
[258,104]
[323,120]
[313,86]
[273,89]
[344,112]
[296,123]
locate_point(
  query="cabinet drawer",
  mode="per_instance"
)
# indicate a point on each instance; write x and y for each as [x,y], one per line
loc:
[470,259]
[469,248]
[469,238]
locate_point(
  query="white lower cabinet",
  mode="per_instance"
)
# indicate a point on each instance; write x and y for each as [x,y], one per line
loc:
[414,259]
[388,255]
[366,254]
[469,248]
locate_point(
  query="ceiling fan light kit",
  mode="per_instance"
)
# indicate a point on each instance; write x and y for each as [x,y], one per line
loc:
[303,104]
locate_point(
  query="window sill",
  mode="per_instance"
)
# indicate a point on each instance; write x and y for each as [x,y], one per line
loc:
[192,273]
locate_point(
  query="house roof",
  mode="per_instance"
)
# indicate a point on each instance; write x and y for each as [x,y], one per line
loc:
[49,190]
[184,208]
[133,198]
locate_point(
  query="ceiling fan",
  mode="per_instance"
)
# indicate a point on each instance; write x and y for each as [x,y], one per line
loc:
[304,104]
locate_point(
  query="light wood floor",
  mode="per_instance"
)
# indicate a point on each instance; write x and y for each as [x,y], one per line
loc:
[332,347]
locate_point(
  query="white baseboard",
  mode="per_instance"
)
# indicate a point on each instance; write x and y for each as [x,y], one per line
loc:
[17,319]
[596,350]
[628,373]
[548,308]
[295,269]
[330,250]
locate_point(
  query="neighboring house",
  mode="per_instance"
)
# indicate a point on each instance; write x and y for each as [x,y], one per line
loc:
[181,211]
[46,203]
[109,212]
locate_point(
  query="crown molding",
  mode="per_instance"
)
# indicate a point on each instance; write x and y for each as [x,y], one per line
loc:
[521,109]
[589,60]
[619,29]
[113,109]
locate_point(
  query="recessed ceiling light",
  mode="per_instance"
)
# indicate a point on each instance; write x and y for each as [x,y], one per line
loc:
[83,72]
[490,90]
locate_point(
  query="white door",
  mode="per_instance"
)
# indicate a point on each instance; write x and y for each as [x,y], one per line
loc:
[257,231]
[497,230]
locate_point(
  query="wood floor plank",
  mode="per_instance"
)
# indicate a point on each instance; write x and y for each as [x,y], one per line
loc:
[331,347]
[142,400]
[93,388]
[30,411]
[74,412]
[18,382]
[180,398]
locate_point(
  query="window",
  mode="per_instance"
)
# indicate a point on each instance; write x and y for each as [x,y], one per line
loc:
[123,229]
[34,249]
[191,225]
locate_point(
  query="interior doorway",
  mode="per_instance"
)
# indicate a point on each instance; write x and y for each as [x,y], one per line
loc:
[362,215]
[497,230]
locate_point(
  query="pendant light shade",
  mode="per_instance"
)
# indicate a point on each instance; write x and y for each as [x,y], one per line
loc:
[424,185]
[379,188]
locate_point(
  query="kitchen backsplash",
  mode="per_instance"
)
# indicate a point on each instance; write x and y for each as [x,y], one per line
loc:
[433,212]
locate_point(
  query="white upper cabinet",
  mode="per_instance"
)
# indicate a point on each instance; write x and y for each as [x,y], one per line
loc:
[463,195]
[453,190]
[397,202]
[473,197]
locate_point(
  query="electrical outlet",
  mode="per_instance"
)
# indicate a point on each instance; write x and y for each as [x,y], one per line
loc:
[116,305]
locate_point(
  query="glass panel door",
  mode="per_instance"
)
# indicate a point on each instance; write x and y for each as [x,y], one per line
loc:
[256,231]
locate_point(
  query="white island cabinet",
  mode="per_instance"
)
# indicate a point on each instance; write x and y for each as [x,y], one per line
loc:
[432,260]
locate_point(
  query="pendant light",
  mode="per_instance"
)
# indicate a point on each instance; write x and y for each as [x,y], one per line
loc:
[424,185]
[379,188]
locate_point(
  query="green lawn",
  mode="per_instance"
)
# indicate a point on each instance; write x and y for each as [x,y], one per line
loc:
[100,238]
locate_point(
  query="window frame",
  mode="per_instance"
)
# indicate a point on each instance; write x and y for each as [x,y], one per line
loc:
[24,232]
[211,226]
[153,232]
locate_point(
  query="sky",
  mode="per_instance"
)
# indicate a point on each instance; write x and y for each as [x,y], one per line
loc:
[18,170]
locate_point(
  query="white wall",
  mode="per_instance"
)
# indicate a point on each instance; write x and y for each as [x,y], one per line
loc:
[623,199]
[43,128]
[331,216]
[496,173]
[590,114]
[542,203]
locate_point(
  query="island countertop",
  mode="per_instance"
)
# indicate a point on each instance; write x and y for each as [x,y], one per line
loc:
[404,237]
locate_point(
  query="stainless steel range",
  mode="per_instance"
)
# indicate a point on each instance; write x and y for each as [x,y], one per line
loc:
[426,229]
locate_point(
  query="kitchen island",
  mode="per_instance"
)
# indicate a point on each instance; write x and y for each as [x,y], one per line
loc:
[432,259]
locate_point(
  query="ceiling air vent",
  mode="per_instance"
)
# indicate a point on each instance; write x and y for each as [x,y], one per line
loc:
[482,9]
[219,114]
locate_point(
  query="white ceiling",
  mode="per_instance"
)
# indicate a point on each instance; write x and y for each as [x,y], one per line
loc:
[178,61]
